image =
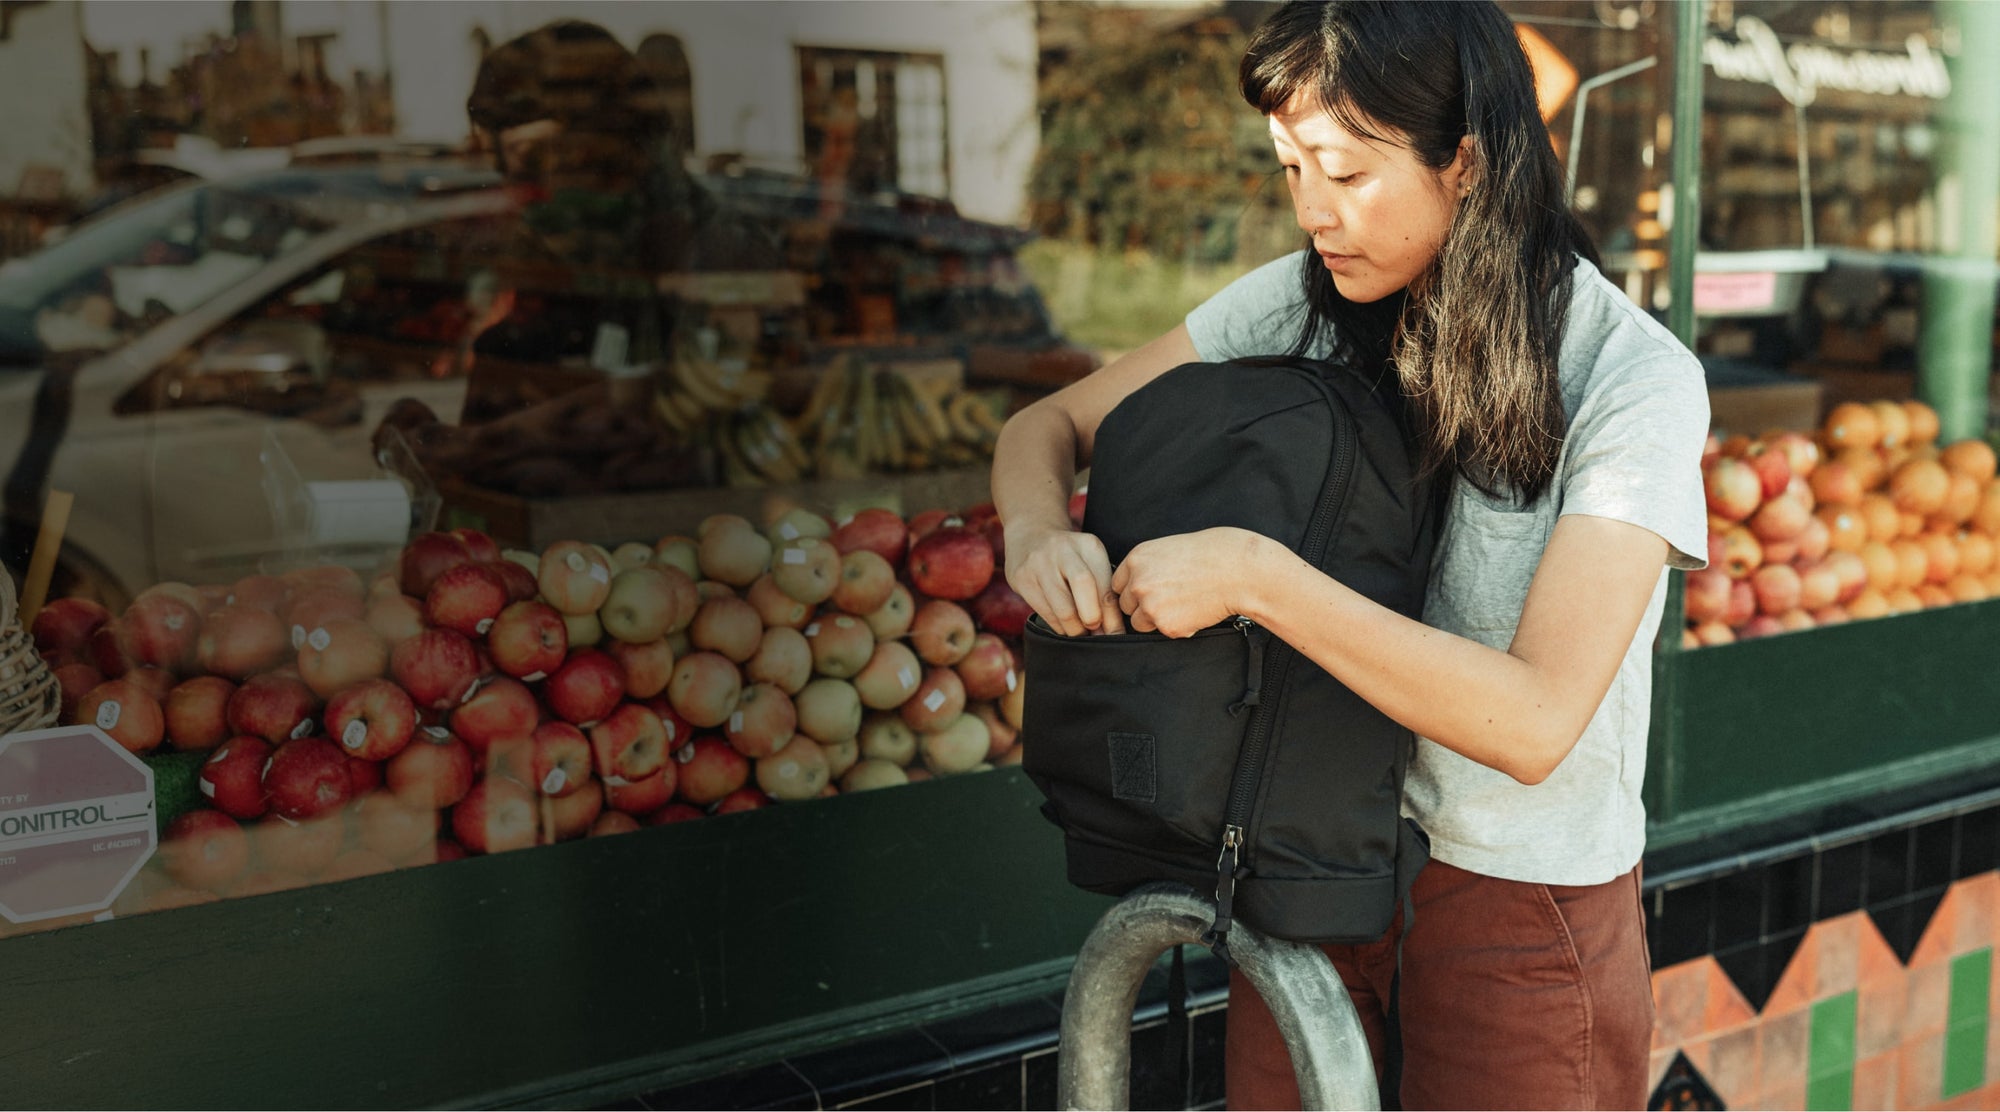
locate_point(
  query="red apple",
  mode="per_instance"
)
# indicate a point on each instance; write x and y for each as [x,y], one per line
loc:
[648,667]
[710,768]
[157,682]
[317,606]
[890,676]
[1773,468]
[1737,552]
[520,582]
[437,667]
[1706,595]
[158,629]
[942,632]
[233,777]
[1777,587]
[307,777]
[1003,735]
[727,625]
[682,553]
[575,577]
[76,679]
[495,816]
[205,849]
[874,530]
[841,645]
[501,707]
[565,817]
[930,521]
[331,578]
[1781,518]
[731,550]
[999,609]
[893,619]
[784,659]
[645,795]
[1733,487]
[340,654]
[799,771]
[63,627]
[197,712]
[629,745]
[466,598]
[763,721]
[673,813]
[104,652]
[425,558]
[480,547]
[679,729]
[431,772]
[939,698]
[951,563]
[866,580]
[273,707]
[528,640]
[705,688]
[127,712]
[259,592]
[586,688]
[807,569]
[1076,506]
[294,849]
[1742,603]
[364,776]
[613,822]
[562,758]
[987,670]
[372,721]
[775,608]
[396,617]
[742,799]
[386,825]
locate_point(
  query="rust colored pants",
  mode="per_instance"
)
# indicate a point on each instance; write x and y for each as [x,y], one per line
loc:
[1514,995]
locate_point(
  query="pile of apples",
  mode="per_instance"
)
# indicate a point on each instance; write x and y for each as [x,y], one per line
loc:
[470,700]
[1866,517]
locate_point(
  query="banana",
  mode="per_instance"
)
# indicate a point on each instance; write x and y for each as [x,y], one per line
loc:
[825,389]
[932,413]
[888,431]
[988,421]
[758,449]
[962,427]
[868,449]
[668,415]
[736,470]
[693,375]
[916,434]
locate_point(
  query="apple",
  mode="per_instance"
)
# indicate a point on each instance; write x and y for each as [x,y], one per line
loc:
[561,759]
[157,682]
[886,737]
[939,698]
[874,530]
[397,618]
[340,654]
[643,796]
[1782,518]
[568,817]
[331,578]
[1077,502]
[613,822]
[62,628]
[575,577]
[1777,587]
[1742,603]
[893,618]
[205,849]
[807,569]
[197,713]
[386,825]
[1004,736]
[158,629]
[629,745]
[679,552]
[1733,488]
[942,632]
[705,688]
[294,849]
[586,688]
[713,588]
[528,640]
[501,707]
[355,864]
[371,721]
[437,667]
[841,645]
[272,706]
[77,678]
[431,772]
[495,816]
[1773,468]
[307,777]
[1706,595]
[673,813]
[987,669]
[930,521]
[829,710]
[958,745]
[480,547]
[1815,541]
[126,711]
[868,775]
[797,771]
[466,598]
[317,606]
[763,721]
[584,630]
[1737,552]
[783,659]
[232,778]
[1852,572]
[731,550]
[840,756]
[426,557]
[728,625]
[742,799]
[710,769]
[521,583]
[642,604]
[774,607]
[631,554]
[889,677]
[648,667]
[679,730]
[999,609]
[1819,586]
[363,776]
[797,523]
[259,592]
[104,652]
[866,580]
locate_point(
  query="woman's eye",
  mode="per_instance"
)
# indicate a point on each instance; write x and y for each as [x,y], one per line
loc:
[1346,179]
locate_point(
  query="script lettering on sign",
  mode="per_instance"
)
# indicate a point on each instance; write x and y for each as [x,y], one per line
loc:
[1801,70]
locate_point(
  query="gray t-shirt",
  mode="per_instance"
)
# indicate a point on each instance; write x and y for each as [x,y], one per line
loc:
[1638,416]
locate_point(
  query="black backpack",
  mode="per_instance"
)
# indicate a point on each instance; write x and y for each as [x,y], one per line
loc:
[1225,760]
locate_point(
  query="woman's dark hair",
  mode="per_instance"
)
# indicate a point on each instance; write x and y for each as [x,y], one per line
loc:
[1477,343]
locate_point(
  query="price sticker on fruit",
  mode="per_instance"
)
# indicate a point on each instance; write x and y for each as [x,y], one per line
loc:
[77,822]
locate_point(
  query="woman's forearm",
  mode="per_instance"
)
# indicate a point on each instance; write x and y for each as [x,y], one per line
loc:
[1034,468]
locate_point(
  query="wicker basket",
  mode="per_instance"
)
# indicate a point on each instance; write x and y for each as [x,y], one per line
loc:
[30,698]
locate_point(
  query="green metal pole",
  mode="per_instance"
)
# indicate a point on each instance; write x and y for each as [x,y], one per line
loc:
[1685,172]
[1955,361]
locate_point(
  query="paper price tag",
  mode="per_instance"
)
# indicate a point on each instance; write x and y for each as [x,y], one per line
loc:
[298,637]
[907,677]
[794,556]
[207,787]
[303,729]
[438,732]
[685,753]
[107,714]
[554,781]
[484,625]
[736,723]
[535,676]
[355,734]
[576,561]
[788,531]
[1012,682]
[616,781]
[812,630]
[599,572]
[319,639]
[933,701]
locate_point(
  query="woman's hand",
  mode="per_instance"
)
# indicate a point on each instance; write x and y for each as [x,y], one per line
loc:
[1065,577]
[1182,584]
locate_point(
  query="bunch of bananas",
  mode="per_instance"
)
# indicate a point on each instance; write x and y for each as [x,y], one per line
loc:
[756,447]
[695,389]
[861,419]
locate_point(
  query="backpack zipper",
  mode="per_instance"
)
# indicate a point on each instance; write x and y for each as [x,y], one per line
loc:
[1274,651]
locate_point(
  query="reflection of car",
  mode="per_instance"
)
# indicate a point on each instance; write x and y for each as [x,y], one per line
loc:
[185,322]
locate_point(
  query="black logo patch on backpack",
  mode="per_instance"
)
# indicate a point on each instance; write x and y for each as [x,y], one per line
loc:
[1227,760]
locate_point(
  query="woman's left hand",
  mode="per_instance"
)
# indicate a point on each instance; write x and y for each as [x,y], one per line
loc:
[1182,584]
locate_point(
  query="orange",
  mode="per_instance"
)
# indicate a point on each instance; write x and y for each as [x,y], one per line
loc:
[1986,518]
[1880,515]
[1973,458]
[1902,600]
[1851,425]
[1967,588]
[1923,422]
[1961,499]
[1846,530]
[1870,603]
[1941,561]
[1894,423]
[1884,571]
[1930,594]
[1920,487]
[1913,564]
[1913,525]
[1867,465]
[1992,581]
[1975,553]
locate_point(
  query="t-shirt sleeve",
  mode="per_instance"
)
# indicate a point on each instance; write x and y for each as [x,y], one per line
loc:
[1257,314]
[1634,455]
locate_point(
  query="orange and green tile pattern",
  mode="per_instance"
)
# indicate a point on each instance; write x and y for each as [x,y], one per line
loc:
[1848,1025]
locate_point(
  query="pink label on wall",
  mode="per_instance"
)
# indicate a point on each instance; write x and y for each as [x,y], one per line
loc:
[76,821]
[1735,293]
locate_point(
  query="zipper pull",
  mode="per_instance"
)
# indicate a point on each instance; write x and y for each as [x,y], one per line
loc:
[1227,864]
[1253,666]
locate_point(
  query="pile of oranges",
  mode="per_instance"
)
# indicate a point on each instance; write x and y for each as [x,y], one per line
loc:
[1865,517]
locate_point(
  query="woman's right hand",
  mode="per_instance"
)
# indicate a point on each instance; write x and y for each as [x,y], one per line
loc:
[1065,576]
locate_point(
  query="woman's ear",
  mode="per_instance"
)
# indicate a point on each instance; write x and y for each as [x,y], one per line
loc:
[1461,175]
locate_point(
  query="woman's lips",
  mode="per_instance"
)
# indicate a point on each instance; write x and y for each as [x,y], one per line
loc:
[1335,262]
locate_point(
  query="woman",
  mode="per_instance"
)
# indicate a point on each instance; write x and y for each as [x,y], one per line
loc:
[1570,426]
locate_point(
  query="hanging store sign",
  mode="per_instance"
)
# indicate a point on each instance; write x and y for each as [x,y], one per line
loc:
[1799,71]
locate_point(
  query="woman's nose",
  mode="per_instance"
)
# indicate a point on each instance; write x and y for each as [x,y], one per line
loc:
[1314,214]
